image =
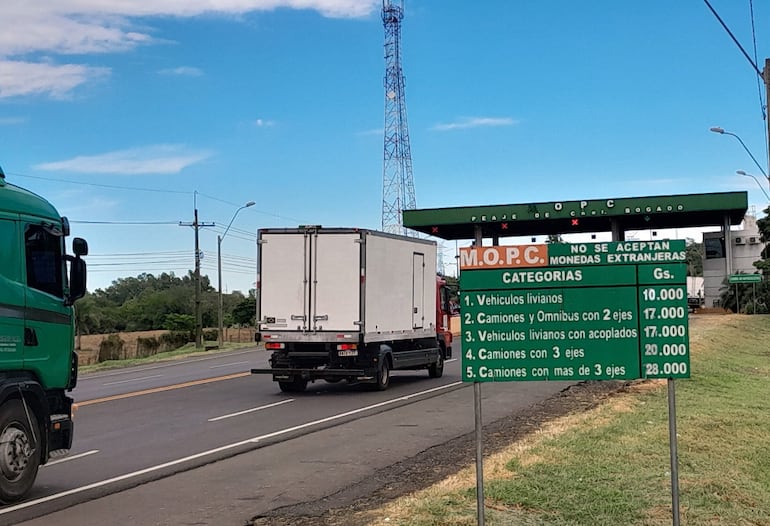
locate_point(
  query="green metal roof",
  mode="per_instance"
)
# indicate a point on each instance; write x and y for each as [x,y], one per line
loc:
[17,200]
[567,217]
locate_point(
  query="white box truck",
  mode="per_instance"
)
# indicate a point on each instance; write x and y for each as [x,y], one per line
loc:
[349,304]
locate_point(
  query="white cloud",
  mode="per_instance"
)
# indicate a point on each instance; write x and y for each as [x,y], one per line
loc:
[373,131]
[659,182]
[9,121]
[33,28]
[73,203]
[66,27]
[262,123]
[182,71]
[30,78]
[158,159]
[475,122]
[92,26]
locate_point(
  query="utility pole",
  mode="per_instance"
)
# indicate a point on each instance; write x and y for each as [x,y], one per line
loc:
[198,315]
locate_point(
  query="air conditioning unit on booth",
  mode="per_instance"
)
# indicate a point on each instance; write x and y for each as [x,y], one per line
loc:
[740,240]
[753,240]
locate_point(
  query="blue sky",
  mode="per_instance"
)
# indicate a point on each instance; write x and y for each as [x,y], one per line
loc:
[131,113]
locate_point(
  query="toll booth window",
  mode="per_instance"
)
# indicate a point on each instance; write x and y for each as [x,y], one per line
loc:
[715,247]
[44,255]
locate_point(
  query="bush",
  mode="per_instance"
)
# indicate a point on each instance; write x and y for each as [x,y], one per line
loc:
[210,335]
[174,340]
[111,348]
[147,347]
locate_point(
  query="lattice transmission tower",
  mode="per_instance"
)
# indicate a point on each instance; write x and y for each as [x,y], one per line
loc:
[397,179]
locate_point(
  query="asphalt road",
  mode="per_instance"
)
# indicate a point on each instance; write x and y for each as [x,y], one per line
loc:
[201,441]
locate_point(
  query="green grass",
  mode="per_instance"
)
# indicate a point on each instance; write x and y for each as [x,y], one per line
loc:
[614,469]
[188,350]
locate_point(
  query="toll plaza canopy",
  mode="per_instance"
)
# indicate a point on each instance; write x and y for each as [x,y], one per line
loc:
[567,217]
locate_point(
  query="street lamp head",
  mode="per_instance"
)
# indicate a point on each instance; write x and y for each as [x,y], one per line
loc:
[741,172]
[717,129]
[250,203]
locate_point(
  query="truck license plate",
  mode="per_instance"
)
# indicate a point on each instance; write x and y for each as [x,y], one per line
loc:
[348,353]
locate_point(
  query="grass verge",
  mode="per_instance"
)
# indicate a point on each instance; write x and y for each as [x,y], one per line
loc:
[188,350]
[610,466]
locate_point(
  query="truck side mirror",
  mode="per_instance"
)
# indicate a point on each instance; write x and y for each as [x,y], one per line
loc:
[80,246]
[77,279]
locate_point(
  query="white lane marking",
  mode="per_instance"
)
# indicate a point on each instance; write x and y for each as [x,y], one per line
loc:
[101,483]
[451,360]
[72,457]
[353,412]
[239,413]
[227,365]
[134,380]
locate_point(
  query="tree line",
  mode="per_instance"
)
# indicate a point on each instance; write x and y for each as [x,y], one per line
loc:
[166,301]
[149,302]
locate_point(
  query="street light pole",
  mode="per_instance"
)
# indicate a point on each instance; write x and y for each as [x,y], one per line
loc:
[219,272]
[741,172]
[722,131]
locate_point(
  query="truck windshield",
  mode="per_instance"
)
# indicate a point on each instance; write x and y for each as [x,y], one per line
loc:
[44,256]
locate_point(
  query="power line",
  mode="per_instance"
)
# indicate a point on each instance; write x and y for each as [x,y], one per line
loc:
[762,105]
[126,222]
[254,209]
[153,262]
[112,186]
[132,254]
[139,189]
[753,64]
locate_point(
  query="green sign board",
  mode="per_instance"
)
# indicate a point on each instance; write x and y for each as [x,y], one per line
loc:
[621,314]
[744,278]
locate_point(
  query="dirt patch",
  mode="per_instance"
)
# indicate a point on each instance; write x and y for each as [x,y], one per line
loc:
[89,344]
[346,507]
[88,353]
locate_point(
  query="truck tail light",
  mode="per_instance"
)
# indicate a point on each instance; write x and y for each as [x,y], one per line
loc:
[347,346]
[276,345]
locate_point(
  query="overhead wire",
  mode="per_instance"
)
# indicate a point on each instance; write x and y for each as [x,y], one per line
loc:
[762,104]
[101,185]
[137,254]
[141,189]
[735,40]
[125,222]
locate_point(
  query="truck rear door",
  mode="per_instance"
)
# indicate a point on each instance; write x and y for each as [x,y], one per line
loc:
[284,277]
[310,281]
[336,286]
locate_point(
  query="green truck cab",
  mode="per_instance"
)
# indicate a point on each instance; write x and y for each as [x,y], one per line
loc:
[39,282]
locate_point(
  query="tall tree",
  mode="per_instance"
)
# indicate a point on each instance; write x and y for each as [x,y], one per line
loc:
[148,302]
[694,254]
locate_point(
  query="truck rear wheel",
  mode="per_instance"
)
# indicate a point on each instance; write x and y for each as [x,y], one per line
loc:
[19,451]
[436,369]
[296,385]
[383,374]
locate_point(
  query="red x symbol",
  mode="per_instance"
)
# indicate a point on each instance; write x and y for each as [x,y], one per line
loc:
[574,222]
[434,230]
[504,226]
